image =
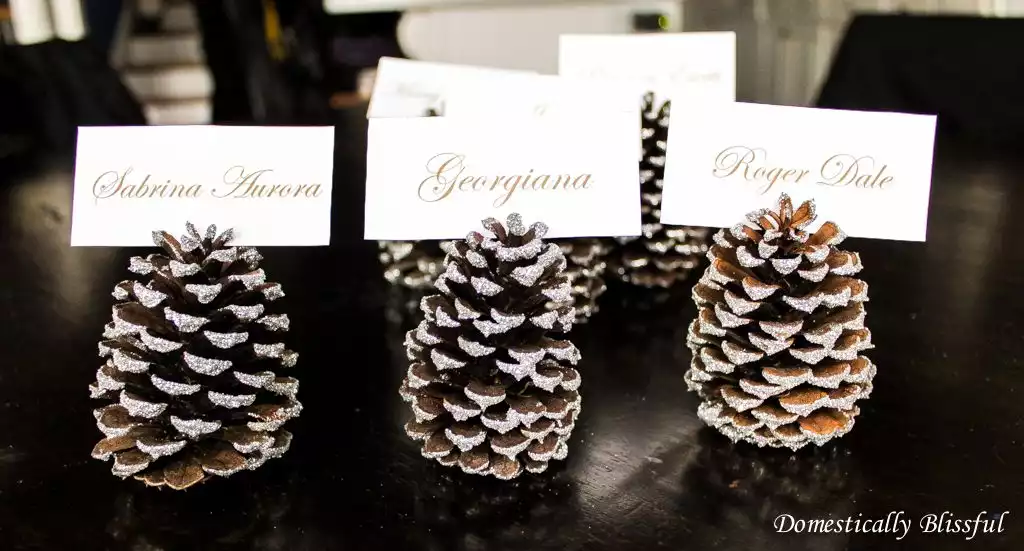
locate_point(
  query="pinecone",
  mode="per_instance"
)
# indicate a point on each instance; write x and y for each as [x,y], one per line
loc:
[777,340]
[585,268]
[190,360]
[413,264]
[491,391]
[663,255]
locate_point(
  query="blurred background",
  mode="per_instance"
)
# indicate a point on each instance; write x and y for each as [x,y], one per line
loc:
[65,63]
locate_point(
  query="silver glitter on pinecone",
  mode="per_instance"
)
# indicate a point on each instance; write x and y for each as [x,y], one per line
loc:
[662,255]
[585,268]
[191,361]
[780,330]
[492,390]
[412,264]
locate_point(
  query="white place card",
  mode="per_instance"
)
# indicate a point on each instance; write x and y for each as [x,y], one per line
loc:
[869,172]
[272,185]
[679,66]
[408,88]
[542,95]
[438,177]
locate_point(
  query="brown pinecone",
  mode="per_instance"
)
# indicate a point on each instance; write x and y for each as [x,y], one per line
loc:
[491,390]
[663,255]
[585,266]
[413,264]
[777,340]
[191,356]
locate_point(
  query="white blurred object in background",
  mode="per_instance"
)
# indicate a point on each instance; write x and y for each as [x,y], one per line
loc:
[36,21]
[784,47]
[520,37]
[167,70]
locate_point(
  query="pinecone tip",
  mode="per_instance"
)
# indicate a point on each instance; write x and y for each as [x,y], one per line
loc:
[159,238]
[539,229]
[515,224]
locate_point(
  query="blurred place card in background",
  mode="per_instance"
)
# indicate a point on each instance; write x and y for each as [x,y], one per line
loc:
[408,88]
[869,172]
[438,177]
[678,66]
[271,184]
[543,95]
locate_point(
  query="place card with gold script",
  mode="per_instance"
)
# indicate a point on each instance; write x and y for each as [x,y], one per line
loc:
[691,66]
[437,177]
[870,170]
[542,95]
[410,88]
[271,184]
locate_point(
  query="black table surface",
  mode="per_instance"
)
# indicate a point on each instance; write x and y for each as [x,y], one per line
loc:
[941,433]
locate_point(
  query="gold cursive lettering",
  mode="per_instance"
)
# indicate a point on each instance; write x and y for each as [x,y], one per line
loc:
[106,184]
[447,176]
[844,170]
[247,185]
[241,184]
[441,181]
[750,163]
[113,183]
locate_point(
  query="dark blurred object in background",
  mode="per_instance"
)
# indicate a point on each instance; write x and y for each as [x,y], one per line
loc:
[102,18]
[49,89]
[648,22]
[15,124]
[965,69]
[267,60]
[357,42]
[289,62]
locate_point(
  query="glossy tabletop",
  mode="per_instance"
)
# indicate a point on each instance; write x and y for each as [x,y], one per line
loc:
[942,432]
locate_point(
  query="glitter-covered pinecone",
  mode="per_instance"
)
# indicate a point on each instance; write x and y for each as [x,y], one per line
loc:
[778,337]
[191,360]
[585,267]
[412,264]
[492,391]
[662,255]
